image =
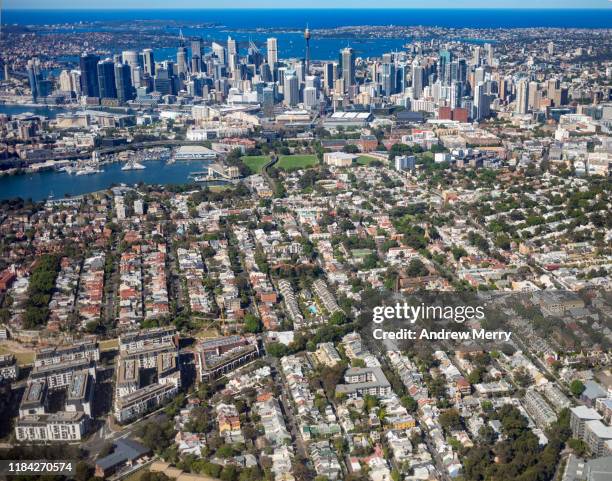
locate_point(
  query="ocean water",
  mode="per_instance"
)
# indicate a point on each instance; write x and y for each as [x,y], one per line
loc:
[325,18]
[242,24]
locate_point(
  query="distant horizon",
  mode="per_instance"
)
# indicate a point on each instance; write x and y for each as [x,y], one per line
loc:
[12,9]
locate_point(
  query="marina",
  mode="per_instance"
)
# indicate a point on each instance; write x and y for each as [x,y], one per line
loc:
[61,183]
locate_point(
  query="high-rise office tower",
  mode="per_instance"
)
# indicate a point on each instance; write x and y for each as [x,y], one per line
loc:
[254,56]
[272,52]
[307,38]
[219,52]
[75,76]
[130,57]
[232,53]
[266,72]
[123,82]
[481,102]
[34,77]
[310,97]
[489,51]
[348,67]
[280,73]
[65,81]
[388,77]
[196,55]
[479,75]
[181,61]
[148,61]
[504,88]
[163,81]
[417,79]
[477,56]
[291,89]
[462,71]
[312,81]
[456,92]
[401,75]
[106,79]
[89,75]
[522,96]
[534,96]
[268,101]
[446,57]
[196,47]
[328,76]
[300,69]
[550,48]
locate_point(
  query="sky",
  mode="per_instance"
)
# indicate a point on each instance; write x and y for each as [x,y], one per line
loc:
[203,4]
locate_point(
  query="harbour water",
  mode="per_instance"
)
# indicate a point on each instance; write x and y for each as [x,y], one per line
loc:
[40,186]
[287,25]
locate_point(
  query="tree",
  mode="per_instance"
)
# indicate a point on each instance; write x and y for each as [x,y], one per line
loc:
[337,318]
[416,268]
[369,402]
[230,473]
[276,349]
[409,403]
[252,324]
[351,149]
[577,387]
[450,420]
[83,471]
[579,446]
[225,451]
[502,241]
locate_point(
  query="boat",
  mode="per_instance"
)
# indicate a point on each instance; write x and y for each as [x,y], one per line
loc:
[88,171]
[133,165]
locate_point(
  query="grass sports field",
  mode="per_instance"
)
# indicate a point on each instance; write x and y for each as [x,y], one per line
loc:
[294,162]
[256,162]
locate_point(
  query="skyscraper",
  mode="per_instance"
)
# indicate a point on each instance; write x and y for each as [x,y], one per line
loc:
[196,55]
[89,75]
[254,56]
[481,102]
[272,48]
[417,79]
[123,82]
[446,57]
[182,66]
[196,47]
[232,53]
[522,96]
[348,67]
[34,77]
[130,57]
[388,77]
[310,97]
[219,52]
[65,81]
[456,91]
[106,79]
[291,88]
[328,76]
[476,59]
[268,101]
[490,52]
[148,61]
[307,38]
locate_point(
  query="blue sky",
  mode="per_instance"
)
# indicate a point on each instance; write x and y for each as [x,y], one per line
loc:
[137,4]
